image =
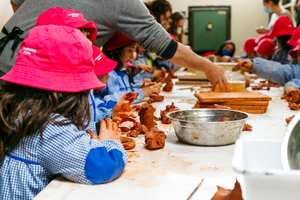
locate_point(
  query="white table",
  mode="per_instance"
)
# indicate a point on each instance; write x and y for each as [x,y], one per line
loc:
[174,171]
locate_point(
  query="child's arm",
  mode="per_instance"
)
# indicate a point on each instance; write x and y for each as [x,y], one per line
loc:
[66,150]
[271,70]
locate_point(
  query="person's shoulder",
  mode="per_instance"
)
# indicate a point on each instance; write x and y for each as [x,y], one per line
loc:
[285,12]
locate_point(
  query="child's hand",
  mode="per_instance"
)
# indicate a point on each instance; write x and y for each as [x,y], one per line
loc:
[261,30]
[288,89]
[150,91]
[109,130]
[245,63]
[123,105]
[146,68]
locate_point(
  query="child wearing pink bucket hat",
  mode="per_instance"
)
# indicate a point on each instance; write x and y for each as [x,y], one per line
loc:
[265,49]
[285,75]
[282,30]
[249,49]
[122,49]
[66,17]
[44,112]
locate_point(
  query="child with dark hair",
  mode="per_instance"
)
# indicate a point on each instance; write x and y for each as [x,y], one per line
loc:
[160,9]
[44,114]
[122,49]
[272,6]
[226,51]
[176,26]
[282,30]
[249,46]
[265,49]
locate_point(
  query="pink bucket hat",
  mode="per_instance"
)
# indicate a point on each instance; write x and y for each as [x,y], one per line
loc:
[266,47]
[283,26]
[103,65]
[294,39]
[116,41]
[66,17]
[249,44]
[293,52]
[263,36]
[55,58]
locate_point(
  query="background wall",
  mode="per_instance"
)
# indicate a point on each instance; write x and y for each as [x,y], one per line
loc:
[245,16]
[6,12]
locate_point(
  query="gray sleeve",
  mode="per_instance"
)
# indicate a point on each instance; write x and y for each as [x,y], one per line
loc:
[18,2]
[134,20]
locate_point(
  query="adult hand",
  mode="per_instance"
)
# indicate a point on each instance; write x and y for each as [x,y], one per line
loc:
[146,68]
[261,30]
[216,76]
[109,130]
[245,63]
[150,91]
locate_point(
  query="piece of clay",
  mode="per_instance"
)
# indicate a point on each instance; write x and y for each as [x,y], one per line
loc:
[169,85]
[288,120]
[164,118]
[155,139]
[171,108]
[128,143]
[171,73]
[294,106]
[147,115]
[124,129]
[150,101]
[126,116]
[156,118]
[144,129]
[137,108]
[130,96]
[158,98]
[264,85]
[247,127]
[135,130]
[223,194]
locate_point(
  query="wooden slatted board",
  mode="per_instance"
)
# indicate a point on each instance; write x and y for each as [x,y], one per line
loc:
[231,96]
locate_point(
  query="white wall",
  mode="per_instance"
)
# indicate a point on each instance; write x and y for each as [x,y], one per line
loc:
[245,16]
[6,12]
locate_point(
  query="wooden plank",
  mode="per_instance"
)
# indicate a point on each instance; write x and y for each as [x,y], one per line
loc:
[191,82]
[242,110]
[234,107]
[231,96]
[248,103]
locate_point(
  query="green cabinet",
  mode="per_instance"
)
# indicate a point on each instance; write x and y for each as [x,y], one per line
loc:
[209,27]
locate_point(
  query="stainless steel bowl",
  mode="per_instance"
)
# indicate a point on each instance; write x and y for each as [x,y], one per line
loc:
[208,127]
[290,149]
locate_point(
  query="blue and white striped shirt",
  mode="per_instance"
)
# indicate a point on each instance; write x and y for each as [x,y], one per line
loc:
[64,150]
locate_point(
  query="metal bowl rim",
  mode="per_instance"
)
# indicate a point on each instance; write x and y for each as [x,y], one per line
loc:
[248,116]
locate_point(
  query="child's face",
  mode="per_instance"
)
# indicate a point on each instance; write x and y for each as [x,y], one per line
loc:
[129,53]
[298,57]
[87,33]
[250,54]
[229,47]
[103,78]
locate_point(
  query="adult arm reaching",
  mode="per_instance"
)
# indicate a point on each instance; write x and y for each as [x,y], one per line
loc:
[185,57]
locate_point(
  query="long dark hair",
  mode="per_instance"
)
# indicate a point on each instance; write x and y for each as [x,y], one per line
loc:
[25,111]
[175,18]
[219,52]
[282,42]
[276,2]
[158,7]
